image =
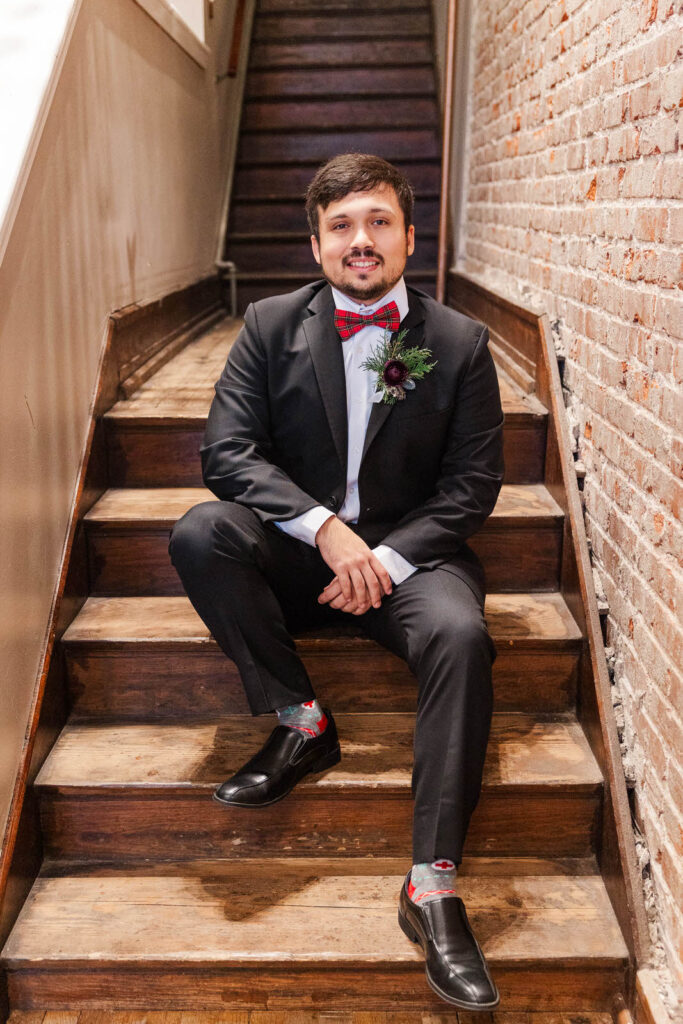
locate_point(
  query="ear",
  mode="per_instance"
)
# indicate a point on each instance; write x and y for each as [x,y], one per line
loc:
[316,248]
[410,236]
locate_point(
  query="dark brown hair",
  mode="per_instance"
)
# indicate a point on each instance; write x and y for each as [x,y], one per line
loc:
[355,172]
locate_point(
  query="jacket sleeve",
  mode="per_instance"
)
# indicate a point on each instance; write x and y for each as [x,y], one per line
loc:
[237,449]
[471,472]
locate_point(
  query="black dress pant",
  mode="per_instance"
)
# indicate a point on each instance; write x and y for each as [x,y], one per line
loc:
[253,585]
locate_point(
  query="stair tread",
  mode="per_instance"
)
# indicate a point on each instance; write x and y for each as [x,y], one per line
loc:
[512,619]
[163,506]
[167,395]
[242,917]
[377,752]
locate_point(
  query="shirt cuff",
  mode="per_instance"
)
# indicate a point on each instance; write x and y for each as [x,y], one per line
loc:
[398,567]
[305,526]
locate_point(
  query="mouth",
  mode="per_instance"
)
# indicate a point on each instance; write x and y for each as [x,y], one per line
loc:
[363,263]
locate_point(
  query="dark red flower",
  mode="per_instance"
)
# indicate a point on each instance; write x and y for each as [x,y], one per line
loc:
[395,372]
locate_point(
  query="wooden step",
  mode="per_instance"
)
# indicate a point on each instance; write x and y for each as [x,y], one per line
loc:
[128,529]
[308,7]
[349,82]
[153,437]
[254,180]
[263,213]
[327,25]
[316,146]
[153,657]
[250,938]
[291,251]
[332,113]
[144,791]
[376,53]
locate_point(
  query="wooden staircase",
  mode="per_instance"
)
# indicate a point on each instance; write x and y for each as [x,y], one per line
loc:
[325,79]
[153,896]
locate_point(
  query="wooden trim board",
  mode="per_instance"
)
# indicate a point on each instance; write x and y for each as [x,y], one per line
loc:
[523,336]
[133,336]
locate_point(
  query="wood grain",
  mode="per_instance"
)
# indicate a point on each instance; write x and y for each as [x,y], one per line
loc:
[376,753]
[128,533]
[136,790]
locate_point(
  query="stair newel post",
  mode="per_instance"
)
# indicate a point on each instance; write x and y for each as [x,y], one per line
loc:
[446,145]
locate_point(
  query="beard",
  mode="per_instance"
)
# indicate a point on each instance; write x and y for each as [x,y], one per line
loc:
[355,287]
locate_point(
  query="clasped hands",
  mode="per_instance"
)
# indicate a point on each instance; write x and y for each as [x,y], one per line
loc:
[361,580]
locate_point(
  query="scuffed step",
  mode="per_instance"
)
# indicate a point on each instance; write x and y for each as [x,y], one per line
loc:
[153,657]
[232,939]
[144,790]
[128,531]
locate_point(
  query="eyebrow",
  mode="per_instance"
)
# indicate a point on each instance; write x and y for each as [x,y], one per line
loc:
[374,209]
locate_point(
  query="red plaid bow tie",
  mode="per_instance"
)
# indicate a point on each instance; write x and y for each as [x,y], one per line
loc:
[349,323]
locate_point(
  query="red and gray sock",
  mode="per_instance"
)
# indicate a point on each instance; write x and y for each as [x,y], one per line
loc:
[308,717]
[433,881]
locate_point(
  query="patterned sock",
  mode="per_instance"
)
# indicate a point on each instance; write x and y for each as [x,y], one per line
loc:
[432,881]
[308,717]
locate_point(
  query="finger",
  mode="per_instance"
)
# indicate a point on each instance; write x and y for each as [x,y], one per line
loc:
[373,585]
[382,574]
[331,591]
[359,587]
[346,584]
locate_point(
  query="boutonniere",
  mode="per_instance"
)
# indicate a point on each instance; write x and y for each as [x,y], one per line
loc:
[397,368]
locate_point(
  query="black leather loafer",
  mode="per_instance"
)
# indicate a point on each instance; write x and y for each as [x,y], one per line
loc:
[455,965]
[284,759]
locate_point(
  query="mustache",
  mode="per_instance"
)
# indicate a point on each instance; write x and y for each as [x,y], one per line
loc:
[356,254]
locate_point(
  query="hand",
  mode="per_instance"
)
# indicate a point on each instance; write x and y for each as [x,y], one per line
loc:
[361,580]
[332,595]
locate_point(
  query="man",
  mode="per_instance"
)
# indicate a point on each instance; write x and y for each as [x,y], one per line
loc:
[337,501]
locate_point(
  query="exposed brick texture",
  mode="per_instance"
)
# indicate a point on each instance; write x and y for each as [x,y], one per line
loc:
[573,205]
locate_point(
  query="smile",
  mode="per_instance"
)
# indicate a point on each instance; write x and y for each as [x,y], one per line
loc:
[363,264]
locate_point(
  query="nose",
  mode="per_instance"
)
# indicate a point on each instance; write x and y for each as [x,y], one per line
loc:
[362,239]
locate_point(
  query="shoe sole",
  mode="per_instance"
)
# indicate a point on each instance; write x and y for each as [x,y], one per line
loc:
[415,937]
[329,761]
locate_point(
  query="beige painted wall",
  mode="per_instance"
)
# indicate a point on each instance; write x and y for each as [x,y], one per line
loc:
[120,204]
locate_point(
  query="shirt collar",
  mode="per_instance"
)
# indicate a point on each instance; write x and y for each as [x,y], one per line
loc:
[398,294]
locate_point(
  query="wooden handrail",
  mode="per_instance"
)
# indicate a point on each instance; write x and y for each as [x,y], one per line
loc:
[446,137]
[236,44]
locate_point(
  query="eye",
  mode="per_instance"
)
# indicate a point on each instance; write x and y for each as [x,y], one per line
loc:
[340,224]
[380,220]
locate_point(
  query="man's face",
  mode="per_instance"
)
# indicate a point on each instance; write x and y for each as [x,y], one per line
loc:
[363,243]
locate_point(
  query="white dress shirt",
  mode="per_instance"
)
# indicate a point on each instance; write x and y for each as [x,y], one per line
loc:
[360,388]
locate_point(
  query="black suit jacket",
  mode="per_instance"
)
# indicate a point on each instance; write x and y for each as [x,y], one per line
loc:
[432,464]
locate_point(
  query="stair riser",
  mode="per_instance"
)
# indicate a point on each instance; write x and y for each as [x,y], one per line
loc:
[356,53]
[345,81]
[358,23]
[532,986]
[134,561]
[164,456]
[413,112]
[135,683]
[186,824]
[315,6]
[291,216]
[312,145]
[292,179]
[298,255]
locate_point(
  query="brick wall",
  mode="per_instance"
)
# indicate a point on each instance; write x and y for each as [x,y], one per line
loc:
[571,206]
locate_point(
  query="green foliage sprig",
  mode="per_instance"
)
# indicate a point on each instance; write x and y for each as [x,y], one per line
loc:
[397,368]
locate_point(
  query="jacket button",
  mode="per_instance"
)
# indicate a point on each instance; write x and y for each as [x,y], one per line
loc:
[333,502]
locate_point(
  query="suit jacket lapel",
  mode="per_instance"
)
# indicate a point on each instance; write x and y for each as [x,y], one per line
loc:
[328,361]
[413,320]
